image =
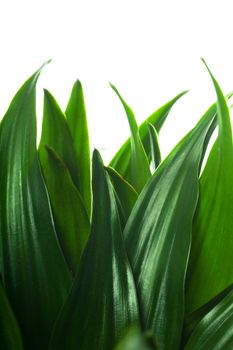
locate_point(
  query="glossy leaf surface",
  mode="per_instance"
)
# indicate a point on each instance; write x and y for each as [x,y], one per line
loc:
[103,302]
[77,121]
[212,246]
[31,262]
[71,219]
[158,236]
[121,160]
[154,145]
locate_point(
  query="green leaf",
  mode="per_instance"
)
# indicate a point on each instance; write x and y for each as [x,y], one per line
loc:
[56,134]
[34,271]
[103,301]
[121,160]
[154,144]
[10,337]
[134,340]
[195,317]
[209,269]
[126,194]
[71,219]
[139,165]
[77,121]
[215,330]
[158,236]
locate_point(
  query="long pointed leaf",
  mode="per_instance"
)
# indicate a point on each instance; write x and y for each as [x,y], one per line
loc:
[77,121]
[210,269]
[154,144]
[121,160]
[56,134]
[33,268]
[71,218]
[158,236]
[139,165]
[103,299]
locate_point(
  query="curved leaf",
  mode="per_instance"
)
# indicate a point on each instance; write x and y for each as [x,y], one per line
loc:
[77,121]
[103,301]
[139,165]
[158,236]
[71,219]
[215,330]
[121,160]
[126,194]
[10,337]
[32,264]
[209,269]
[56,134]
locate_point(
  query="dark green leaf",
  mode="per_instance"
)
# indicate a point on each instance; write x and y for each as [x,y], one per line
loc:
[126,194]
[158,236]
[154,145]
[71,219]
[56,134]
[77,121]
[10,337]
[121,161]
[139,165]
[215,330]
[33,268]
[103,301]
[195,317]
[209,269]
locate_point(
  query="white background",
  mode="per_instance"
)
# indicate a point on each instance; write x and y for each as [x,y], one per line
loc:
[149,49]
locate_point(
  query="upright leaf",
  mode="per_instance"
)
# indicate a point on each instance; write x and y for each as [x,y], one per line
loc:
[121,160]
[56,134]
[154,144]
[126,194]
[71,219]
[77,121]
[10,337]
[212,244]
[139,165]
[103,301]
[33,268]
[215,330]
[158,236]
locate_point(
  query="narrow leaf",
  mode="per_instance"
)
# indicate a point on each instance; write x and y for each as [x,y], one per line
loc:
[121,160]
[134,340]
[71,219]
[10,337]
[154,144]
[158,236]
[56,134]
[33,268]
[139,165]
[209,269]
[102,303]
[77,121]
[125,193]
[215,330]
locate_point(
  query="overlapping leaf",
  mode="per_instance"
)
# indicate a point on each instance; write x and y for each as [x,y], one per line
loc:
[121,160]
[10,337]
[154,145]
[71,218]
[158,236]
[210,264]
[77,121]
[134,340]
[102,303]
[139,165]
[215,330]
[33,268]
